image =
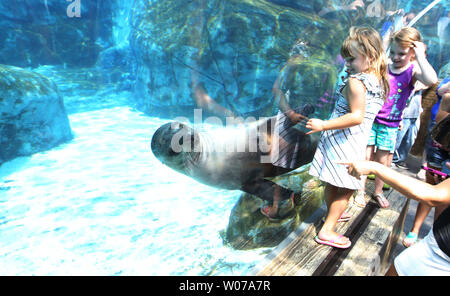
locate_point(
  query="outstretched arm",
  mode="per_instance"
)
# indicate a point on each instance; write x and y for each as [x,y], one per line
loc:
[355,92]
[432,195]
[278,94]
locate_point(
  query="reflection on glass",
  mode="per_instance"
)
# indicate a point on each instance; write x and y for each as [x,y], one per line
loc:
[85,84]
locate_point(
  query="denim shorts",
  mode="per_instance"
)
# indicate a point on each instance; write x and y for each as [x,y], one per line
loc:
[435,155]
[383,137]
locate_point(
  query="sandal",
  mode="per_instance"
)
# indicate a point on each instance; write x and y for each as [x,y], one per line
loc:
[344,217]
[334,242]
[409,240]
[382,200]
[360,200]
[265,210]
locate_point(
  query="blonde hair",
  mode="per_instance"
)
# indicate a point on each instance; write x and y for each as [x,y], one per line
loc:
[368,43]
[406,36]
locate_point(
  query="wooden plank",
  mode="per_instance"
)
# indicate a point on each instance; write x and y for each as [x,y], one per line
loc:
[370,254]
[299,254]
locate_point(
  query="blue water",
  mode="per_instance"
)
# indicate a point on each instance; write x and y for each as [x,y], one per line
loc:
[102,204]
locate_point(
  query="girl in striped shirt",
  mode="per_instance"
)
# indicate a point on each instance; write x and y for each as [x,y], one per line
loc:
[346,133]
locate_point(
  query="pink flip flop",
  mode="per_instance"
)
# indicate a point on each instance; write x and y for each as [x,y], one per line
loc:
[343,218]
[265,212]
[333,242]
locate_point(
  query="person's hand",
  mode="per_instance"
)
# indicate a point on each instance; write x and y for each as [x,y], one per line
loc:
[359,168]
[400,11]
[315,125]
[419,49]
[295,117]
[435,177]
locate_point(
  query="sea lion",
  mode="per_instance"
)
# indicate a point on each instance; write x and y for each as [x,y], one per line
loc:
[234,157]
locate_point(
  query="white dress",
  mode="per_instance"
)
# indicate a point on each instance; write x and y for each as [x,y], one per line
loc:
[349,143]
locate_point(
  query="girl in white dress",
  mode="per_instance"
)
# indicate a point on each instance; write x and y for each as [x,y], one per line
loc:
[346,132]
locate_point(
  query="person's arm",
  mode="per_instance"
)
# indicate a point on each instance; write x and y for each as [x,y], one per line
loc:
[355,92]
[425,72]
[283,104]
[432,195]
[444,107]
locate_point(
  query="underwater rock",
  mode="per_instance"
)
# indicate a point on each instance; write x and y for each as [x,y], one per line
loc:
[248,228]
[118,66]
[42,33]
[235,48]
[308,6]
[32,113]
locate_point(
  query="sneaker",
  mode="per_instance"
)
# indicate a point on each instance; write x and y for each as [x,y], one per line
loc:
[421,175]
[401,165]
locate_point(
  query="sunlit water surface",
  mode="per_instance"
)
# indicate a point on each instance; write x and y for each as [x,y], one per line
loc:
[102,204]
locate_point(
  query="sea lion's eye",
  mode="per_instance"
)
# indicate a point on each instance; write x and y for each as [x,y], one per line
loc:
[175,125]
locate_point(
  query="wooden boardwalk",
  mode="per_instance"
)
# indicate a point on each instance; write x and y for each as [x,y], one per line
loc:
[372,230]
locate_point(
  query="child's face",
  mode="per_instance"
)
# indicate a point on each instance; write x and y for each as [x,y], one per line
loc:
[400,56]
[356,63]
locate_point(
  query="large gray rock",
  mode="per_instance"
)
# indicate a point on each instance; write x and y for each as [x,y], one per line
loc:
[248,228]
[32,114]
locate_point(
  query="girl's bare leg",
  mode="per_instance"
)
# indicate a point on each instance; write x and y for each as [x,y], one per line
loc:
[381,156]
[337,200]
[369,156]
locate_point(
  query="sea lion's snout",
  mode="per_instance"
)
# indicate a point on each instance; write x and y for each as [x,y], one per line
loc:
[161,143]
[170,141]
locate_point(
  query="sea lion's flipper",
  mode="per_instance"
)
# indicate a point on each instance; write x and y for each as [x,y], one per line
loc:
[265,189]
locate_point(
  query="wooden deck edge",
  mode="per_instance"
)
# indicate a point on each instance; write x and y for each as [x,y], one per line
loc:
[372,252]
[374,233]
[318,214]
